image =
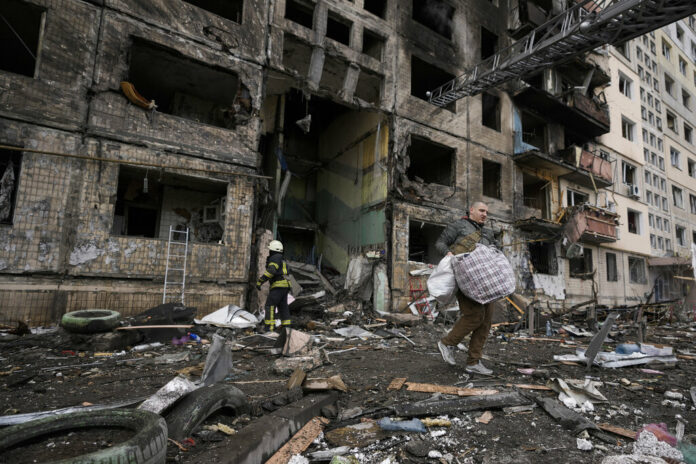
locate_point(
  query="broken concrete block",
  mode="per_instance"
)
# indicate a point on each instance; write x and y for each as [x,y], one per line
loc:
[469,403]
[168,394]
[332,383]
[402,318]
[285,366]
[336,309]
[293,342]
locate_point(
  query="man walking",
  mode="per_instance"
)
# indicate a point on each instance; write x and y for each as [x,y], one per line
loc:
[276,273]
[475,318]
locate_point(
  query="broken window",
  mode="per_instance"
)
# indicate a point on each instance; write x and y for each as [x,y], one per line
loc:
[534,131]
[435,15]
[421,241]
[20,32]
[491,179]
[188,89]
[669,85]
[430,162]
[543,257]
[376,7]
[373,44]
[338,28]
[629,173]
[692,168]
[426,77]
[147,203]
[633,222]
[612,274]
[627,129]
[230,9]
[10,163]
[489,43]
[672,122]
[677,197]
[625,85]
[490,111]
[636,270]
[581,267]
[299,12]
[692,203]
[576,198]
[681,235]
[369,86]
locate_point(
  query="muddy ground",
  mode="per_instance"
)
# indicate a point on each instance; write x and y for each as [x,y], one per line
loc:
[40,372]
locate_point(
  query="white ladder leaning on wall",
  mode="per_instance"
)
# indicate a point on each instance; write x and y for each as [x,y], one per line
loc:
[175,270]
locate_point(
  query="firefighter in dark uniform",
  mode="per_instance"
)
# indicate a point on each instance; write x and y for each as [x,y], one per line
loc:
[276,273]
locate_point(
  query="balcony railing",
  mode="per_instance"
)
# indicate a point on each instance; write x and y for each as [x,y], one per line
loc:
[600,169]
[590,224]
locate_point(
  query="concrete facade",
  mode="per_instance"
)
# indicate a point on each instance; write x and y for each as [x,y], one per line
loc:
[230,150]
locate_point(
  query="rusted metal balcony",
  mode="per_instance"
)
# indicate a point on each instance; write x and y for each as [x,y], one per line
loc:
[590,224]
[580,114]
[593,171]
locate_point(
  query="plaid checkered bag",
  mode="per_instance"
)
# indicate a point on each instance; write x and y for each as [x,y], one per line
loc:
[484,275]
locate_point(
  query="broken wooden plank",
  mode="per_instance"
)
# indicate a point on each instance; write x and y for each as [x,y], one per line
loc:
[565,416]
[447,389]
[470,403]
[165,326]
[296,378]
[529,386]
[397,383]
[300,441]
[630,434]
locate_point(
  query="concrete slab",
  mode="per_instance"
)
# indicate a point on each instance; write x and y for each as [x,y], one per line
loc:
[258,441]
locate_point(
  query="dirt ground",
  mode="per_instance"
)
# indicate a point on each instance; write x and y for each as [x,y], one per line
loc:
[40,372]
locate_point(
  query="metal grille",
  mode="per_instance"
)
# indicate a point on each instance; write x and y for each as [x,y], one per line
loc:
[585,26]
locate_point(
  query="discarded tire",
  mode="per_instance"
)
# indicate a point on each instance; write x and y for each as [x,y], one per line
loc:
[90,321]
[200,404]
[147,446]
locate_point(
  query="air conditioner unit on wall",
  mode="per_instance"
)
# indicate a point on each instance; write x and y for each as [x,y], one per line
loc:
[633,190]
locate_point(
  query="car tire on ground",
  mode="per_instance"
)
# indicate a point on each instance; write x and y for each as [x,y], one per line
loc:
[147,446]
[90,321]
[200,404]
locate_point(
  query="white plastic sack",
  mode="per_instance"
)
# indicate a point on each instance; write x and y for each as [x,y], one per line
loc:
[442,284]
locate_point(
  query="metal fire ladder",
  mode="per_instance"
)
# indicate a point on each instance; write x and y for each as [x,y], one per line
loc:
[585,26]
[175,270]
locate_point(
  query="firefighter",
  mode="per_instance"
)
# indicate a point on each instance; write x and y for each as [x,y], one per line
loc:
[276,273]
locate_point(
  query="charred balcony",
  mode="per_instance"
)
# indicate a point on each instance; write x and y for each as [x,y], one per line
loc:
[589,224]
[584,115]
[594,170]
[527,15]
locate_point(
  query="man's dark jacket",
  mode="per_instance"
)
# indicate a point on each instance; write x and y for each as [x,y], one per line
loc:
[462,236]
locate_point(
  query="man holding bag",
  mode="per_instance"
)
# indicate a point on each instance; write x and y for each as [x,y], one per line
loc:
[475,318]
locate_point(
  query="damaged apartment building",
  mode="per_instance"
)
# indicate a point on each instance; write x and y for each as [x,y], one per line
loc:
[124,120]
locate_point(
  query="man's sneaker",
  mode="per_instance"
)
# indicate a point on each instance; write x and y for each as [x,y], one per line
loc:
[447,353]
[478,368]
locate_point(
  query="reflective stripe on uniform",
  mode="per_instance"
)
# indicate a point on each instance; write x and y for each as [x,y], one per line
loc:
[274,264]
[285,322]
[281,284]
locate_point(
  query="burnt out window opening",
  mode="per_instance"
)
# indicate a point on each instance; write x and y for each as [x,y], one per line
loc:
[543,257]
[534,131]
[636,270]
[577,198]
[10,164]
[299,244]
[430,162]
[373,44]
[229,9]
[146,208]
[421,241]
[376,7]
[629,173]
[534,192]
[369,87]
[491,179]
[581,267]
[436,15]
[612,273]
[489,43]
[338,28]
[20,35]
[490,111]
[186,88]
[426,77]
[299,12]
